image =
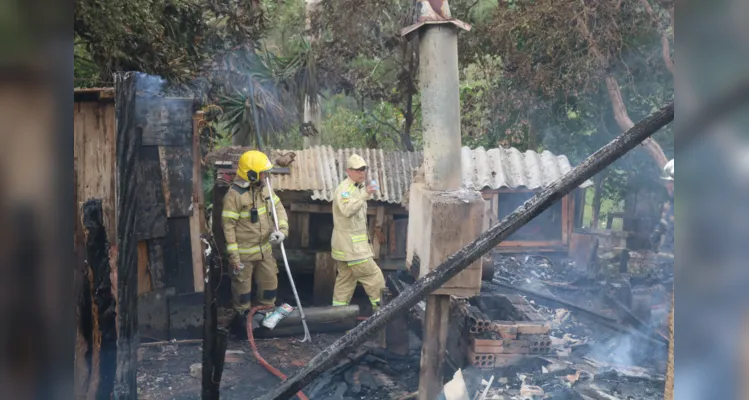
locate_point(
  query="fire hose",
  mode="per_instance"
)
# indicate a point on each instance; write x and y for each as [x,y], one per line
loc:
[256,353]
[307,337]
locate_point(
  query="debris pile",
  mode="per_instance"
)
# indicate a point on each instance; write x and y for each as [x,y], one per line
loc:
[596,336]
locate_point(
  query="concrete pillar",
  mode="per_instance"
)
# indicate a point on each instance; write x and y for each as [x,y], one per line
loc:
[442,216]
[440,106]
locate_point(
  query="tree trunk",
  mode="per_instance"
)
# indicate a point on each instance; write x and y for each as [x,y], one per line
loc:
[311,114]
[625,123]
[596,206]
[617,102]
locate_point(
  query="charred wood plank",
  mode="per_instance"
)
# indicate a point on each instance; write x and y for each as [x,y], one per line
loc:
[177,179]
[474,250]
[150,217]
[565,303]
[599,318]
[167,121]
[156,263]
[178,256]
[153,314]
[100,328]
[128,144]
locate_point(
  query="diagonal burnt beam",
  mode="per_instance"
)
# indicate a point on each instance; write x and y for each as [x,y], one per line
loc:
[473,251]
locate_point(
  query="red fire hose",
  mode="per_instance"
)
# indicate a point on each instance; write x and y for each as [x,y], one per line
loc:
[260,358]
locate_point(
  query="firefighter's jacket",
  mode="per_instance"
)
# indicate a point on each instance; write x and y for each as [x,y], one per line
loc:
[243,237]
[350,241]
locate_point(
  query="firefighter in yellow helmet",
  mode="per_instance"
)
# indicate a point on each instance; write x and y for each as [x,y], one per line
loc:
[350,243]
[250,231]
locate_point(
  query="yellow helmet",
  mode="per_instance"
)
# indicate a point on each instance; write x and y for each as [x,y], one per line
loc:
[251,164]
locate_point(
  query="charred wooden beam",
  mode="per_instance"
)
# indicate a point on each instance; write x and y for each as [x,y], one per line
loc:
[98,315]
[599,318]
[128,142]
[214,338]
[565,303]
[474,250]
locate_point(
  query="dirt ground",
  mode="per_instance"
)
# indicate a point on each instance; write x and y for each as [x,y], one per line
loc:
[164,372]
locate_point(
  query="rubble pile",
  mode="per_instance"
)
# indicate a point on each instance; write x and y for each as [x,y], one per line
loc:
[370,373]
[586,357]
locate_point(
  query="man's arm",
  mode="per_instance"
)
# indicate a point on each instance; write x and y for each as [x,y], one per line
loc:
[283,220]
[350,202]
[229,218]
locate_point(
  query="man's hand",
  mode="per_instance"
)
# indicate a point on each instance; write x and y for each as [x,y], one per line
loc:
[277,237]
[371,189]
[237,267]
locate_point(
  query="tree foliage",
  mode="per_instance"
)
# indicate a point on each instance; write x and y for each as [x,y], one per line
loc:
[360,44]
[178,40]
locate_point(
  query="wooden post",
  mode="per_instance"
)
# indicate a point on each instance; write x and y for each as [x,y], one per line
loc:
[97,313]
[324,279]
[669,390]
[129,137]
[214,338]
[197,219]
[436,322]
[304,229]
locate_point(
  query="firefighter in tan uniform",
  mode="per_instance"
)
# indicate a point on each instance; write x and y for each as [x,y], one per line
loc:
[250,232]
[350,242]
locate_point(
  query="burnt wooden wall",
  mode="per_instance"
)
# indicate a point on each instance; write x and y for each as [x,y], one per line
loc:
[166,203]
[94,154]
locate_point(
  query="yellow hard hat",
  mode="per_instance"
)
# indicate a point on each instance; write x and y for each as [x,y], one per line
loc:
[251,164]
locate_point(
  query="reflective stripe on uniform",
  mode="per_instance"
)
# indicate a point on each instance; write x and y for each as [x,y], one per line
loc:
[232,247]
[283,224]
[358,238]
[352,263]
[230,214]
[374,302]
[338,253]
[254,249]
[339,303]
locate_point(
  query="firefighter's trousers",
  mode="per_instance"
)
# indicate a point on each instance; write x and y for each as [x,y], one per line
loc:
[265,274]
[365,272]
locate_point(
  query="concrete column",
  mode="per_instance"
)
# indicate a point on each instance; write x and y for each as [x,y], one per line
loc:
[440,106]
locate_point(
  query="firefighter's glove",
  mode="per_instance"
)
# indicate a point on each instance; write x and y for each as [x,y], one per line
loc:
[277,237]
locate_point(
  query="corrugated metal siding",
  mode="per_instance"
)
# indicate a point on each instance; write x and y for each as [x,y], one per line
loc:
[321,169]
[509,168]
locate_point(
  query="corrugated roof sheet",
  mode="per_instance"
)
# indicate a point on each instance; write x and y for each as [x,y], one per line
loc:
[321,169]
[509,168]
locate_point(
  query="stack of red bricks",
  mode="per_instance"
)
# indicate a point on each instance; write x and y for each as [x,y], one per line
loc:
[511,341]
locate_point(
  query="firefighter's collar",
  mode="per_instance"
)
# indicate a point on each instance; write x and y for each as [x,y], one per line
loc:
[241,182]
